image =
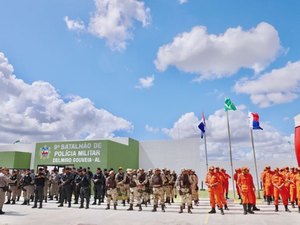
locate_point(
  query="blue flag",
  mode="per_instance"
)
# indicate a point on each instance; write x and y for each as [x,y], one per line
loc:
[202,125]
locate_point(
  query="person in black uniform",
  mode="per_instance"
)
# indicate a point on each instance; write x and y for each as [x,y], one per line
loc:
[85,189]
[77,180]
[66,187]
[39,183]
[99,181]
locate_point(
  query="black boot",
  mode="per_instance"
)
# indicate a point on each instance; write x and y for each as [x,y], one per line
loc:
[250,209]
[130,207]
[245,209]
[269,200]
[213,210]
[154,208]
[226,207]
[81,205]
[163,207]
[35,205]
[99,202]
[115,206]
[172,200]
[227,196]
[189,209]
[293,205]
[183,206]
[18,198]
[87,204]
[222,212]
[140,207]
[8,202]
[94,203]
[298,209]
[24,203]
[108,207]
[181,210]
[1,212]
[61,205]
[69,205]
[13,202]
[276,208]
[255,208]
[286,208]
[41,205]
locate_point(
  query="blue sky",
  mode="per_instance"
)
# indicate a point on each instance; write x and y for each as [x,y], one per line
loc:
[152,71]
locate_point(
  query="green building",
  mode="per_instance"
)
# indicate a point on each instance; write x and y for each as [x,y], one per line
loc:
[15,159]
[93,154]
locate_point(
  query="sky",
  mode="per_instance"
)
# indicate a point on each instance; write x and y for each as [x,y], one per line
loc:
[90,69]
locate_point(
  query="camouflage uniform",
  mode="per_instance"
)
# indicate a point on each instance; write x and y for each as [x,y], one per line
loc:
[185,190]
[111,190]
[158,191]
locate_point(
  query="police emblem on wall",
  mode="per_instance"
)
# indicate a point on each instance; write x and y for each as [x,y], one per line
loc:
[45,152]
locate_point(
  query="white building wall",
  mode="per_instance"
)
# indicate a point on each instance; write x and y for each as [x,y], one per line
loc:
[177,154]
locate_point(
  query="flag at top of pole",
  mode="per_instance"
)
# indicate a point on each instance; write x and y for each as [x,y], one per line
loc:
[202,125]
[229,105]
[254,121]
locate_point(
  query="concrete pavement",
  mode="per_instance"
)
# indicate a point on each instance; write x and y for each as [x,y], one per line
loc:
[52,215]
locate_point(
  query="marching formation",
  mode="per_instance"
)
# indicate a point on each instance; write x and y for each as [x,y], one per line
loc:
[132,187]
[156,187]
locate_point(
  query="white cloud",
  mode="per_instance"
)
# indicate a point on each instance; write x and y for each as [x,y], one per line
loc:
[74,24]
[36,112]
[146,82]
[152,129]
[269,143]
[114,20]
[182,1]
[216,56]
[277,87]
[184,127]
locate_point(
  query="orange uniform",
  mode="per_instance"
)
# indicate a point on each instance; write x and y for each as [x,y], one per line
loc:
[246,186]
[235,177]
[267,183]
[297,184]
[213,183]
[221,187]
[245,182]
[290,179]
[226,181]
[278,182]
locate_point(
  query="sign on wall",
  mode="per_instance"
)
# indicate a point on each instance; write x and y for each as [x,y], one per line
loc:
[73,152]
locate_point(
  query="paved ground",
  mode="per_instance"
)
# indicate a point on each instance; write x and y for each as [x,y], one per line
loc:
[51,214]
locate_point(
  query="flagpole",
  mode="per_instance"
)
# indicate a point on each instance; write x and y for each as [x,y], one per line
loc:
[230,153]
[255,164]
[206,160]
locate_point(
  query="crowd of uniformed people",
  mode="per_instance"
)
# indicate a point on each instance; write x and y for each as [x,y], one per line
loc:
[139,188]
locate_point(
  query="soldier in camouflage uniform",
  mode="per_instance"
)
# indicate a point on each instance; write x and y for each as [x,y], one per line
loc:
[158,192]
[184,185]
[135,190]
[111,190]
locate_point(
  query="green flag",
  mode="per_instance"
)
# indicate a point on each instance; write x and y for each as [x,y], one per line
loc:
[229,105]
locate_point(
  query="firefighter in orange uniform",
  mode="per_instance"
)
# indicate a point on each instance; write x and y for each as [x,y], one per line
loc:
[213,182]
[235,177]
[226,184]
[290,179]
[267,181]
[297,184]
[278,182]
[246,186]
[221,187]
